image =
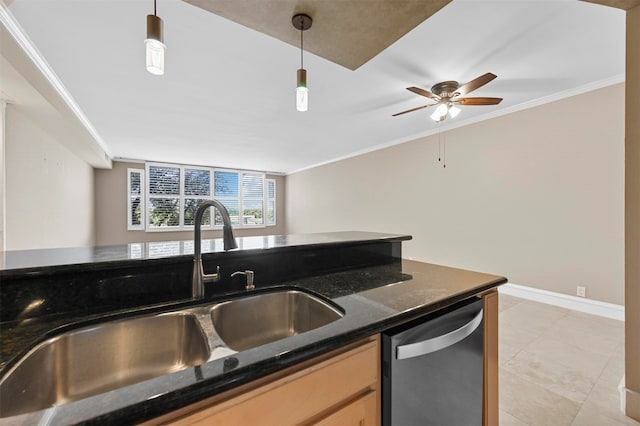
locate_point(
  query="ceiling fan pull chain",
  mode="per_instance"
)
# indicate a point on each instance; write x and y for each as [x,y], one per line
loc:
[439,143]
[444,152]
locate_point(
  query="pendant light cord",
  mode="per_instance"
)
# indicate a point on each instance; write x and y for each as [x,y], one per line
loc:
[301,42]
[154,8]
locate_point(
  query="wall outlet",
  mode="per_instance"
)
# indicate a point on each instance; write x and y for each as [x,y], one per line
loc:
[581,291]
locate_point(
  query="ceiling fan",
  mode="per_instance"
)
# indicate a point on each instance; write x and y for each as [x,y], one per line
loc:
[448,94]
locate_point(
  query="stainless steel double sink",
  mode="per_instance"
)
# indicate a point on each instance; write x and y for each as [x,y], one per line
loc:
[94,359]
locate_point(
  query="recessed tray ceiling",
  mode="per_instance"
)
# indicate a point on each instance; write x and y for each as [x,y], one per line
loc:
[347,32]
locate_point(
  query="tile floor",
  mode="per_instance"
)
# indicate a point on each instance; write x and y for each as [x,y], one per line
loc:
[558,366]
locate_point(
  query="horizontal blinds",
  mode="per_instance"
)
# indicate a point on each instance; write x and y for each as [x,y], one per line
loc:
[197,182]
[253,199]
[271,202]
[135,204]
[164,180]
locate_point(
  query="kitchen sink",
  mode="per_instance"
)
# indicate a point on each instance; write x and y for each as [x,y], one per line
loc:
[96,359]
[255,320]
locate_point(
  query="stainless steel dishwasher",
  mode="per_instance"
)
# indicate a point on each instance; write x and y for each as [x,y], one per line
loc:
[432,369]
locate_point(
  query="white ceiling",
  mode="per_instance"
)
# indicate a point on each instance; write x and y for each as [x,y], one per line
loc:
[227,97]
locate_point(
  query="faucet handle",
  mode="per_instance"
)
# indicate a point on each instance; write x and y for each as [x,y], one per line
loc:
[249,274]
[210,278]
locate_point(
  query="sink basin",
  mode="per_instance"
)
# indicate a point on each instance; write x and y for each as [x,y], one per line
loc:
[100,358]
[94,359]
[258,319]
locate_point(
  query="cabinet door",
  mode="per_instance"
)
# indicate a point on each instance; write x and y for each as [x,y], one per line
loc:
[361,412]
[313,393]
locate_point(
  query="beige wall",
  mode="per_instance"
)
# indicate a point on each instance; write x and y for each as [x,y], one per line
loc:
[536,195]
[49,190]
[2,180]
[111,211]
[49,154]
[632,225]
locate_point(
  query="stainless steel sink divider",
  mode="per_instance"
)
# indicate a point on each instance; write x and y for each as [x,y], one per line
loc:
[217,348]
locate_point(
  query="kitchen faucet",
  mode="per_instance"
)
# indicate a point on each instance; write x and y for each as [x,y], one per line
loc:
[229,242]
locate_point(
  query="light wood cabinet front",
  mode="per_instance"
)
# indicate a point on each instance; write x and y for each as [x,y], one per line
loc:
[342,389]
[490,369]
[360,412]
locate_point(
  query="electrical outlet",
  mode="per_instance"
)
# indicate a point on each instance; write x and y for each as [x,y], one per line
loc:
[581,291]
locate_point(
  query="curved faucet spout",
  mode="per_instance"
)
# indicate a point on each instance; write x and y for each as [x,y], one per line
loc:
[229,242]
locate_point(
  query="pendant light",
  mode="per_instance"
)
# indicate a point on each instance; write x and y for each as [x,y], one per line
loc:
[154,44]
[302,22]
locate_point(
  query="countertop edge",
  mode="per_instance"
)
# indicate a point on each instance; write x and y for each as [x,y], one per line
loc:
[72,265]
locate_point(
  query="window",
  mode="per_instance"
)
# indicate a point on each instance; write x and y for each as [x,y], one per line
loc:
[271,202]
[253,199]
[135,204]
[197,188]
[240,192]
[174,193]
[163,208]
[227,191]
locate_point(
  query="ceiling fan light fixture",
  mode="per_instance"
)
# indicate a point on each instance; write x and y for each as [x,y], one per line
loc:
[154,44]
[449,94]
[302,22]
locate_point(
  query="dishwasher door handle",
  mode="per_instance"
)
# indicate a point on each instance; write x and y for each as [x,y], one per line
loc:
[435,344]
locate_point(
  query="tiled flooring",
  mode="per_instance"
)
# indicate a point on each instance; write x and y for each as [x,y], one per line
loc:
[558,366]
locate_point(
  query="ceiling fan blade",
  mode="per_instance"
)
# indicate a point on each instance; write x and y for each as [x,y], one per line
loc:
[411,110]
[477,101]
[423,92]
[475,84]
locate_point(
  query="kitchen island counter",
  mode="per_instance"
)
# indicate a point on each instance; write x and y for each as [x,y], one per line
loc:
[374,298]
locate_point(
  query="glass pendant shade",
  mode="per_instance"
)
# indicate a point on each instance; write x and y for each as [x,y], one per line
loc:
[154,46]
[302,98]
[454,111]
[302,92]
[440,113]
[155,56]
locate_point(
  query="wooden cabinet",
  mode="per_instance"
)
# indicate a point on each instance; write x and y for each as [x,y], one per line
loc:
[490,395]
[340,388]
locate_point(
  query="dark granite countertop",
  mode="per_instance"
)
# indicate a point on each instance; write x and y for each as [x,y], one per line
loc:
[21,261]
[373,298]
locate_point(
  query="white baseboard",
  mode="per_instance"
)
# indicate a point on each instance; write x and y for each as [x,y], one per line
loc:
[623,395]
[590,306]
